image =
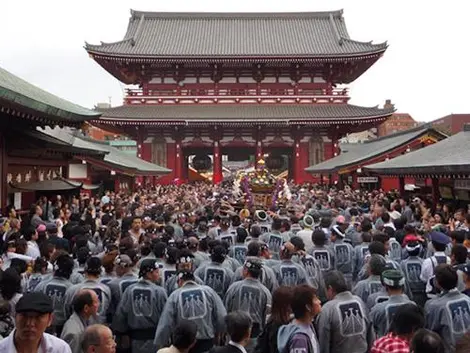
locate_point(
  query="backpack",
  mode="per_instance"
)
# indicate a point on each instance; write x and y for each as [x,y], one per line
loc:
[436,261]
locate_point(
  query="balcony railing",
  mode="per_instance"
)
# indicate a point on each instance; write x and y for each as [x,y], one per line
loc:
[141,96]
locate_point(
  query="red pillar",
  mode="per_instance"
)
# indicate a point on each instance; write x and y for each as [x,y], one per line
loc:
[435,190]
[178,161]
[217,175]
[401,185]
[297,164]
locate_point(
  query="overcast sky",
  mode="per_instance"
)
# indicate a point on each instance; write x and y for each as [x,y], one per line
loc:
[425,70]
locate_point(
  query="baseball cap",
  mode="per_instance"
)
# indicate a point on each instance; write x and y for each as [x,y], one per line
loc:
[123,261]
[439,238]
[41,228]
[37,302]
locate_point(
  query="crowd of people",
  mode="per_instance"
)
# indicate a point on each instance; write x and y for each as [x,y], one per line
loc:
[194,268]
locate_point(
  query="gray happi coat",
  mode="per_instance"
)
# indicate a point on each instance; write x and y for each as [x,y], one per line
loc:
[449,316]
[200,304]
[381,314]
[344,326]
[138,314]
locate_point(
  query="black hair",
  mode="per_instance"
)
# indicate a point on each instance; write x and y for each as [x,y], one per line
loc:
[19,265]
[377,264]
[276,224]
[446,277]
[29,232]
[319,237]
[385,217]
[426,341]
[407,319]
[366,225]
[255,231]
[218,254]
[458,235]
[381,237]
[238,325]
[171,255]
[298,242]
[254,248]
[336,281]
[366,237]
[460,253]
[377,247]
[10,284]
[242,234]
[159,249]
[82,299]
[184,334]
[438,247]
[302,297]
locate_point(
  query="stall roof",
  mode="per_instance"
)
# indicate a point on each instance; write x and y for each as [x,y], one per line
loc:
[449,156]
[356,153]
[113,157]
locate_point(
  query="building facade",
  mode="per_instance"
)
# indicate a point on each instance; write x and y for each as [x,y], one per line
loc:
[396,123]
[452,123]
[238,87]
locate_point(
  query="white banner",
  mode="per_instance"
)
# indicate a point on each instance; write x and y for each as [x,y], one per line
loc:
[367,180]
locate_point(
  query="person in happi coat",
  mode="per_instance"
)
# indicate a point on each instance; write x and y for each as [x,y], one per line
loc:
[274,238]
[85,307]
[466,279]
[184,262]
[344,254]
[168,269]
[214,274]
[93,270]
[288,273]
[239,250]
[449,313]
[224,233]
[78,274]
[251,296]
[411,267]
[310,265]
[343,324]
[361,251]
[321,251]
[300,336]
[262,221]
[55,287]
[267,277]
[124,270]
[200,304]
[194,245]
[372,284]
[407,320]
[140,309]
[382,314]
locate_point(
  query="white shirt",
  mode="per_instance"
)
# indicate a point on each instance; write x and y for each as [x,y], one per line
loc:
[48,344]
[427,269]
[33,250]
[306,236]
[239,346]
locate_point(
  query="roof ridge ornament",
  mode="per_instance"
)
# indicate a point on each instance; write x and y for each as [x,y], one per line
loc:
[138,30]
[335,30]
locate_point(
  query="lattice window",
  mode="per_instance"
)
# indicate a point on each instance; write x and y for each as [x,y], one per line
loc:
[159,152]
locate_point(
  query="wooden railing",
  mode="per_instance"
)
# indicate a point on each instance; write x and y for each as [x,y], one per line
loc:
[225,92]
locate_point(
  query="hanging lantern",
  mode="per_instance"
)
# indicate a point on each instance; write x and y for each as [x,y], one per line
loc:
[201,162]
